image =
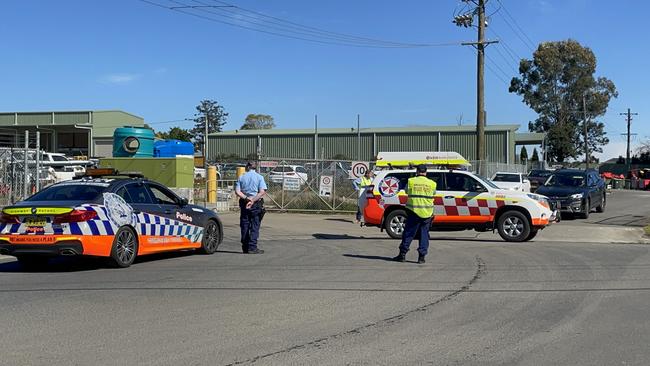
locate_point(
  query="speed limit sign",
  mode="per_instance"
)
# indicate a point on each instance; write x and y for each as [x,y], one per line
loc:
[358,169]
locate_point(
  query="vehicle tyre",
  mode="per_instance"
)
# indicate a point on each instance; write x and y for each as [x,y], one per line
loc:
[32,261]
[395,223]
[125,247]
[211,238]
[586,210]
[513,226]
[532,235]
[603,203]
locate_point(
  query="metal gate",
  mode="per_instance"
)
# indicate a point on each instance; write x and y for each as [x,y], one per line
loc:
[309,185]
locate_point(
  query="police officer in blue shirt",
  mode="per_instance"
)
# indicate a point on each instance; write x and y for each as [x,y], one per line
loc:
[250,189]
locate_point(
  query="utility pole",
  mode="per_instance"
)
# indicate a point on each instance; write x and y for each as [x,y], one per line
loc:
[358,137]
[629,115]
[584,123]
[466,20]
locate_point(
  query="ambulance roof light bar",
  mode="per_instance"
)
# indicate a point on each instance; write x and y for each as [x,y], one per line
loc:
[410,159]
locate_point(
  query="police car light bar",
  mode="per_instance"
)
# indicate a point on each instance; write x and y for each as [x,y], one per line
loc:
[402,159]
[110,172]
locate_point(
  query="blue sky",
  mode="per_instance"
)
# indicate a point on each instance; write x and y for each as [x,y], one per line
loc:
[156,63]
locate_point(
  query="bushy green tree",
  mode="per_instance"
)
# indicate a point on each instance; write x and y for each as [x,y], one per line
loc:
[176,133]
[523,156]
[258,122]
[216,116]
[553,84]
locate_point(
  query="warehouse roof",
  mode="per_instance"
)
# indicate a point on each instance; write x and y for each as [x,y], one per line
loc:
[530,138]
[77,112]
[338,131]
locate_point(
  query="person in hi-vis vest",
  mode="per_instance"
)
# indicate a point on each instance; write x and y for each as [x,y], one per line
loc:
[360,185]
[419,208]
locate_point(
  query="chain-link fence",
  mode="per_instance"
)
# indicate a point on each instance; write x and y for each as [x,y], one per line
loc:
[226,200]
[18,174]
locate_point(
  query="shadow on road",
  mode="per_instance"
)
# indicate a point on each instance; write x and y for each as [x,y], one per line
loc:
[325,236]
[81,264]
[340,220]
[374,257]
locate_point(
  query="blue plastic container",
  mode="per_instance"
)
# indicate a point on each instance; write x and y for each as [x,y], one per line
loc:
[133,142]
[172,148]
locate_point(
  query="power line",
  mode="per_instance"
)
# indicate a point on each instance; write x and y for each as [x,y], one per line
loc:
[530,42]
[171,121]
[315,36]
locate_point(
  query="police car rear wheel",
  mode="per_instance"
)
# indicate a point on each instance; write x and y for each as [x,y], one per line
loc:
[394,224]
[210,241]
[514,226]
[125,247]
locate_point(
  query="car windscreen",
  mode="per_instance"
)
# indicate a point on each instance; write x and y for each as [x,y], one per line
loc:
[69,192]
[566,180]
[281,169]
[511,178]
[540,173]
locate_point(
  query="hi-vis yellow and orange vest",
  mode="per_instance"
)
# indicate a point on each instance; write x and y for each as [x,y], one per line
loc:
[420,192]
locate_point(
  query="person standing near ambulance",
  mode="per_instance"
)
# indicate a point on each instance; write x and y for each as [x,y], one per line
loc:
[360,185]
[419,208]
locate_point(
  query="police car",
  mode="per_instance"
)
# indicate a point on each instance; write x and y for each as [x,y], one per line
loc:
[106,215]
[463,200]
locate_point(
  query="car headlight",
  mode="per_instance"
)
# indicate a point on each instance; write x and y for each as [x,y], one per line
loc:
[538,198]
[577,196]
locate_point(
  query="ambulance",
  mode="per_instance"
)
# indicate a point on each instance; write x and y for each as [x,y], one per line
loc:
[463,200]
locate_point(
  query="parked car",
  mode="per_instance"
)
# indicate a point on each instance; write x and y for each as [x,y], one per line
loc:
[280,173]
[576,191]
[538,177]
[511,181]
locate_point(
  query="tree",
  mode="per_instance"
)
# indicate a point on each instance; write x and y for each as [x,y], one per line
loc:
[523,156]
[216,119]
[175,133]
[535,157]
[258,122]
[553,84]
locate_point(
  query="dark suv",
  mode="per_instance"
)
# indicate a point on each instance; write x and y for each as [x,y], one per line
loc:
[576,191]
[537,177]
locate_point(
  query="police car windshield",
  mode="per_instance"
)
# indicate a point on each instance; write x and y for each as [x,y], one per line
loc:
[69,192]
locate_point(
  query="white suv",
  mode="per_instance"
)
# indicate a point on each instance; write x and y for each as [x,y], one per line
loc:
[287,172]
[463,201]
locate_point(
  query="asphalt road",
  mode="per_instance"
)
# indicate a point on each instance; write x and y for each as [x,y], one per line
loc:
[334,298]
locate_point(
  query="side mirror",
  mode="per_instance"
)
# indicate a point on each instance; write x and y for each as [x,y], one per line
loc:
[526,180]
[183,202]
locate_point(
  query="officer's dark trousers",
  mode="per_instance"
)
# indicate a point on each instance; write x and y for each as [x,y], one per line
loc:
[416,227]
[249,222]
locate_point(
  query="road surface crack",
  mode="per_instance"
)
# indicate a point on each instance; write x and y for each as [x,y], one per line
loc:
[480,271]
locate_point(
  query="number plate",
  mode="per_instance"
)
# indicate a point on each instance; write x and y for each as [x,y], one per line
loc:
[35,221]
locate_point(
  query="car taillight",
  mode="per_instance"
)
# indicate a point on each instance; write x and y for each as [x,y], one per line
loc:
[9,219]
[75,216]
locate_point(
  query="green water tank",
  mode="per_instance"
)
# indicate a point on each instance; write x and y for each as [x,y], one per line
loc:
[129,142]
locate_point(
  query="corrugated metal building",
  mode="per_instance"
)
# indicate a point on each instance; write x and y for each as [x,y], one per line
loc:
[350,144]
[75,133]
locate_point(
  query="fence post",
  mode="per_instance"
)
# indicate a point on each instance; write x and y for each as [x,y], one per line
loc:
[26,176]
[38,161]
[212,184]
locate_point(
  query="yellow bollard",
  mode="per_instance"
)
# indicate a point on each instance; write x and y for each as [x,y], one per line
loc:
[212,184]
[240,171]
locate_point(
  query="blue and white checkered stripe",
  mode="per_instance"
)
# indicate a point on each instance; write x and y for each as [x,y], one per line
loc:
[149,224]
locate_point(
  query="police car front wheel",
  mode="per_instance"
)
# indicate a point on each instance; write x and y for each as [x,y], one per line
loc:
[513,226]
[210,241]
